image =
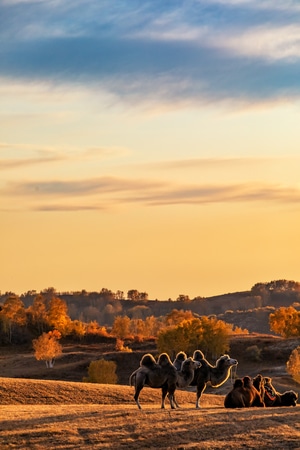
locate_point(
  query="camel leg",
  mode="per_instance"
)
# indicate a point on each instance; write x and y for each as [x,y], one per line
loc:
[172,400]
[136,396]
[175,401]
[200,389]
[164,391]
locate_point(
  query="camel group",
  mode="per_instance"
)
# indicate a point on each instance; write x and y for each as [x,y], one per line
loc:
[258,391]
[183,372]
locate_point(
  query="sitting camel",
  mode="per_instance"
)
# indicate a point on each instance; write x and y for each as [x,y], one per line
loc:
[162,375]
[215,375]
[274,398]
[243,395]
[259,383]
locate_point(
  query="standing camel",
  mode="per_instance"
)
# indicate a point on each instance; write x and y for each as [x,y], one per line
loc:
[215,375]
[162,374]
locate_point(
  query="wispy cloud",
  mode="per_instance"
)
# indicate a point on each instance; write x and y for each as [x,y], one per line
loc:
[193,51]
[25,155]
[113,192]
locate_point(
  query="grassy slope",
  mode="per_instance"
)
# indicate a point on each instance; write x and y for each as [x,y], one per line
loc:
[16,391]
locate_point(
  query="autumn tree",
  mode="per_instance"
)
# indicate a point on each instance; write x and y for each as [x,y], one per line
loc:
[93,328]
[121,327]
[12,315]
[152,327]
[175,317]
[78,329]
[37,313]
[209,335]
[285,321]
[57,315]
[49,312]
[102,371]
[293,364]
[47,348]
[134,294]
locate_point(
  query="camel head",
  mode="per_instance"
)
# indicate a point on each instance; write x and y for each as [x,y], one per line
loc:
[289,398]
[226,361]
[190,364]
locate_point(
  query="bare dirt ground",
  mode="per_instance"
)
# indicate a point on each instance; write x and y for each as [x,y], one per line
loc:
[39,414]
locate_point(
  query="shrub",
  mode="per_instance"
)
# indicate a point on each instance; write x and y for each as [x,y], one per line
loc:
[253,353]
[120,347]
[102,371]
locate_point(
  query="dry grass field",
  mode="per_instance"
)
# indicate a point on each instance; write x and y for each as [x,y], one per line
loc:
[42,409]
[39,414]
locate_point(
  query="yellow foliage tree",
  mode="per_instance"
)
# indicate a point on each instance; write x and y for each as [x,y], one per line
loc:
[47,348]
[37,313]
[285,321]
[12,315]
[293,364]
[209,335]
[102,371]
[57,315]
[121,327]
[175,317]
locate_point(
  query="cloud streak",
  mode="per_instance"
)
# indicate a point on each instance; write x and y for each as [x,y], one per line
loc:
[40,155]
[193,51]
[112,192]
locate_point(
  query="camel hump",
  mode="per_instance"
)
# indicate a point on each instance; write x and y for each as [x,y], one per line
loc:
[164,359]
[247,382]
[181,356]
[238,383]
[148,360]
[198,355]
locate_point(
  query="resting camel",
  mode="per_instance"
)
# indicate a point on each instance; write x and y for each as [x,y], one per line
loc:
[259,383]
[243,395]
[215,375]
[274,398]
[162,375]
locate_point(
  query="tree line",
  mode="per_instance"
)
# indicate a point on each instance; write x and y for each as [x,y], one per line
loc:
[47,312]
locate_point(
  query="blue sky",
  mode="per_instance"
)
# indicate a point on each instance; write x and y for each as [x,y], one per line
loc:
[182,51]
[164,129]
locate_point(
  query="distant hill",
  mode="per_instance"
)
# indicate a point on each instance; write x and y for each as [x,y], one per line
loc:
[246,309]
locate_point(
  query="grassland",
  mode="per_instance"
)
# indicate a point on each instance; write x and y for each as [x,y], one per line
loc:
[54,410]
[44,414]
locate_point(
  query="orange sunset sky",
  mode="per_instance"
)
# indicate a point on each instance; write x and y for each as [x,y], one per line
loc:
[149,145]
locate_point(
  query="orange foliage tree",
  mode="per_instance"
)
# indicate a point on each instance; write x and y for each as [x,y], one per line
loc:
[12,315]
[285,321]
[47,348]
[293,364]
[207,334]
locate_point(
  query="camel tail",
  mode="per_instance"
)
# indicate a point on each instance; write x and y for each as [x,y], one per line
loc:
[132,379]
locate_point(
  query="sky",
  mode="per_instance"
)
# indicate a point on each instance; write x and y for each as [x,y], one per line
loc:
[149,145]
